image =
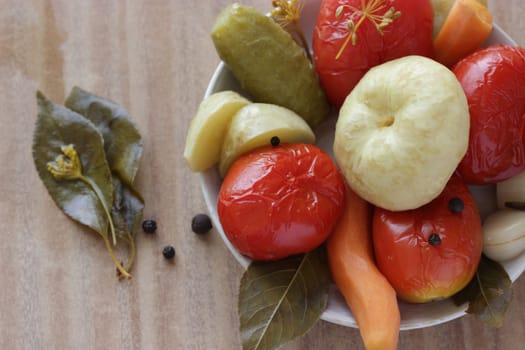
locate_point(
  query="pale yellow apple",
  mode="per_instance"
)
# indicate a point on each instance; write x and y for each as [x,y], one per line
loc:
[254,126]
[402,132]
[208,127]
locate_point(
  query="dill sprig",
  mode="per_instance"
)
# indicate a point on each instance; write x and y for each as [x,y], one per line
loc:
[287,13]
[369,10]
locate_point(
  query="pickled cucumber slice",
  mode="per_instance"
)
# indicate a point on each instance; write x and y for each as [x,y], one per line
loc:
[254,126]
[268,63]
[208,128]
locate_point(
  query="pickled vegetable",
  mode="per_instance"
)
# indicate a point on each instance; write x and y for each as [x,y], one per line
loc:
[268,63]
[441,9]
[208,128]
[511,190]
[255,125]
[504,234]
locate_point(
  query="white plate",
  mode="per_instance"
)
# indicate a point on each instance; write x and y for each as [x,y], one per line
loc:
[413,316]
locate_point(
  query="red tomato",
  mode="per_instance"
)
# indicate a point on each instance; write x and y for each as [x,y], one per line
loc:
[431,252]
[410,34]
[280,201]
[493,80]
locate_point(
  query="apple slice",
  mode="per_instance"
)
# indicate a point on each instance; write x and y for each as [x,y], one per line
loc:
[254,125]
[208,128]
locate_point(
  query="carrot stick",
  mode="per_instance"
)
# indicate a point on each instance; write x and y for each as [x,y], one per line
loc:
[466,27]
[367,292]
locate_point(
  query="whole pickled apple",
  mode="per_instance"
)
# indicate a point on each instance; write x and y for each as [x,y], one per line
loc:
[268,63]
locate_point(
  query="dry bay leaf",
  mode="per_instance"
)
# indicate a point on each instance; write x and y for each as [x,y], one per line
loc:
[127,207]
[122,140]
[88,161]
[488,294]
[58,126]
[123,147]
[281,300]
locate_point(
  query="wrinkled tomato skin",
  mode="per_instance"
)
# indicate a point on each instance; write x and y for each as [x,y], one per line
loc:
[279,201]
[493,80]
[422,272]
[410,34]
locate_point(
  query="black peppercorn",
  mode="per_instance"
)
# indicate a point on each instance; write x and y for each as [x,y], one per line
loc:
[456,205]
[201,224]
[434,239]
[168,252]
[275,141]
[149,226]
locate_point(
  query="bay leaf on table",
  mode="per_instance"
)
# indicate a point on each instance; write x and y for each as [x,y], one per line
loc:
[281,300]
[122,140]
[127,207]
[122,143]
[123,146]
[58,126]
[488,294]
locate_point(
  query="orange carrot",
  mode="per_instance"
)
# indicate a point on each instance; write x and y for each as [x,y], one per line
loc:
[466,27]
[367,292]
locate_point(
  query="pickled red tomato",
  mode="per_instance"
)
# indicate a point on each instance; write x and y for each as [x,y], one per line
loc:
[493,80]
[280,201]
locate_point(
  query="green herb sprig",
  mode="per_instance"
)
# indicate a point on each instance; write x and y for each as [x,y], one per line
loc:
[287,13]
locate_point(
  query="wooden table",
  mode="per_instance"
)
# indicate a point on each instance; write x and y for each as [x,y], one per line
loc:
[58,286]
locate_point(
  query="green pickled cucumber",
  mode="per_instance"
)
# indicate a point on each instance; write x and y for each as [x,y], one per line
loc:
[268,63]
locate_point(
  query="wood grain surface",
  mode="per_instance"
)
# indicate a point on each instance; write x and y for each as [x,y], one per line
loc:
[59,291]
